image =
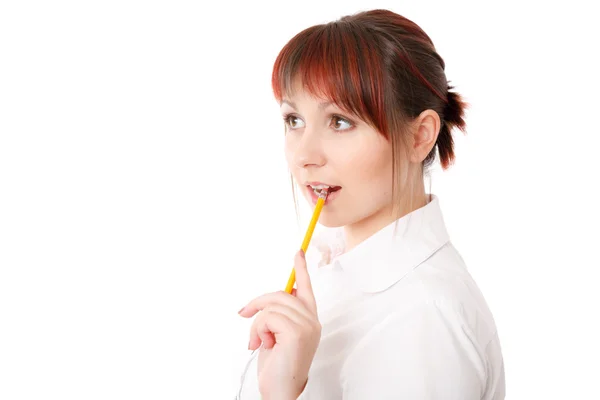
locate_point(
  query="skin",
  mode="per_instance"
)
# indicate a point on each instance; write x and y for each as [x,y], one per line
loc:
[326,144]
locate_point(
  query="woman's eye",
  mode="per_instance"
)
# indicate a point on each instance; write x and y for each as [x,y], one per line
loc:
[338,123]
[337,120]
[292,121]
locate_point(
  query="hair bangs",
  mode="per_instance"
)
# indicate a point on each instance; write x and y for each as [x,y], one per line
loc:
[336,63]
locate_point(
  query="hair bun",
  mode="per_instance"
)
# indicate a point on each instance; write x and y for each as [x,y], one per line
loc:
[455,109]
[453,117]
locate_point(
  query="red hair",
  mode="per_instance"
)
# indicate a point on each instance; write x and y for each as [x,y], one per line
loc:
[379,66]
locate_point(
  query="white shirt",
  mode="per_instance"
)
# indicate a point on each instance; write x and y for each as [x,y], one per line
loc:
[401,319]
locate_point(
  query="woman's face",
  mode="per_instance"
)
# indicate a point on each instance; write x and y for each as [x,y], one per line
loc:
[324,145]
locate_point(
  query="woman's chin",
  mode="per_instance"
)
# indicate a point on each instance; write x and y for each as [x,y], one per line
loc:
[330,221]
[328,217]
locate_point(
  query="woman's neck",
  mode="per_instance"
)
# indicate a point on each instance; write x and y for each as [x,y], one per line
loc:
[359,231]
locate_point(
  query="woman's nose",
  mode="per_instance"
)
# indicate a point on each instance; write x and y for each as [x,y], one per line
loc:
[309,152]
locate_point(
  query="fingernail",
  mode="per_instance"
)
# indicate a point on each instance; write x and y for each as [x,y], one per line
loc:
[242,309]
[302,253]
[249,345]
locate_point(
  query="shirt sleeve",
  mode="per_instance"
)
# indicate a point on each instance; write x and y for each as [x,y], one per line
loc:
[425,353]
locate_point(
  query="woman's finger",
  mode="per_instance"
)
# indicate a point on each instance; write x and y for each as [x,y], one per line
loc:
[281,298]
[268,326]
[304,290]
[291,313]
[256,337]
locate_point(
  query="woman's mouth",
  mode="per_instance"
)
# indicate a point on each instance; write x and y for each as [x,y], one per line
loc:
[315,190]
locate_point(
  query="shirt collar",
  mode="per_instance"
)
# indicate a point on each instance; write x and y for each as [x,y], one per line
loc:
[387,256]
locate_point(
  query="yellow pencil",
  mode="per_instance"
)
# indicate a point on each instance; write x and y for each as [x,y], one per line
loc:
[308,235]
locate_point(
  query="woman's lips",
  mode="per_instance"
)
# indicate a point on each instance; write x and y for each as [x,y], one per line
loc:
[330,197]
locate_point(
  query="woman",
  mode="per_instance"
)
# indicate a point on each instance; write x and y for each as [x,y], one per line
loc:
[390,311]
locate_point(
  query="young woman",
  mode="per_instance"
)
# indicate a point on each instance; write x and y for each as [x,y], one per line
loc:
[386,309]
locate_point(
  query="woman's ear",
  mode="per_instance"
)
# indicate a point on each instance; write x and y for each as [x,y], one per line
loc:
[426,128]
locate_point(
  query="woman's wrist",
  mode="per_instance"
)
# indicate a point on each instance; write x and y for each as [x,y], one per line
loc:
[301,389]
[293,394]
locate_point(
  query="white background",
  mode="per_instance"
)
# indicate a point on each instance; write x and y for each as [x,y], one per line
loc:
[144,195]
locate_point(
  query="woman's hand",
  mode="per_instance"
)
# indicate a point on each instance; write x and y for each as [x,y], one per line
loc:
[289,330]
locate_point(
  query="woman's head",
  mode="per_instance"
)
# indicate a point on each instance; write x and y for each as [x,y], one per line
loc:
[366,105]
